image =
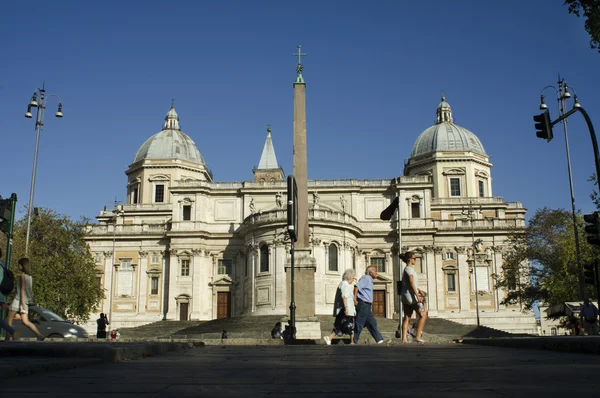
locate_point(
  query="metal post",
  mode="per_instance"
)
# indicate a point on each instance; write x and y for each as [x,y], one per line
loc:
[400,267]
[112,273]
[562,111]
[39,122]
[293,303]
[474,266]
[9,237]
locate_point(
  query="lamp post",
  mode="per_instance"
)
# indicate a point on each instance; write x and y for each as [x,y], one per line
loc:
[470,213]
[39,123]
[117,210]
[562,93]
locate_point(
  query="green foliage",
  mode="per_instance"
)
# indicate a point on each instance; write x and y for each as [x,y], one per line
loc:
[542,263]
[594,195]
[590,10]
[64,272]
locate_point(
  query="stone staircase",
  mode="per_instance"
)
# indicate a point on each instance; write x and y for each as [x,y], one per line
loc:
[257,329]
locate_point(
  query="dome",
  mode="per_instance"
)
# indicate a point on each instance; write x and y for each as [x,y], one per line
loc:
[170,143]
[446,136]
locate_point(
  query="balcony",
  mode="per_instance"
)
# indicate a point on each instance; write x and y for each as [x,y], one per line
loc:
[466,201]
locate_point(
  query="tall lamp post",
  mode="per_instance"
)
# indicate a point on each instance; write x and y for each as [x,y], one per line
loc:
[562,94]
[39,123]
[117,210]
[470,213]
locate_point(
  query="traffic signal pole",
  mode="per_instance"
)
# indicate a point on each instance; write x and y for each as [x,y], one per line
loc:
[9,236]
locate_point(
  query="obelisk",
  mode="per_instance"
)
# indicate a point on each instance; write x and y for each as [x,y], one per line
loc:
[305,263]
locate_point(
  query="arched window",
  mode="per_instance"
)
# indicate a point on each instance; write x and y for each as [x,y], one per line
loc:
[264,258]
[333,257]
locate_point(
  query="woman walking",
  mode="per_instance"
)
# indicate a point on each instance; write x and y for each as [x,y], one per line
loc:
[344,310]
[23,298]
[412,298]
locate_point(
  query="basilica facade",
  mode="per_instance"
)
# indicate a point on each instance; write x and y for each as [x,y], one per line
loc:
[185,247]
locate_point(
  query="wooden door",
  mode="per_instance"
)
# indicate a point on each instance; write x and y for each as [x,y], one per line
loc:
[223,305]
[183,311]
[379,303]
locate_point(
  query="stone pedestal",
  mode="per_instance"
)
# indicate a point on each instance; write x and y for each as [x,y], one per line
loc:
[305,266]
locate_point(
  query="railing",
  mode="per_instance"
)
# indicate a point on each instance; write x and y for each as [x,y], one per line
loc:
[414,179]
[313,214]
[109,229]
[466,201]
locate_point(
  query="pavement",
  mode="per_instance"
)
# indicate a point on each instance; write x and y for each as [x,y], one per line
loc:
[451,370]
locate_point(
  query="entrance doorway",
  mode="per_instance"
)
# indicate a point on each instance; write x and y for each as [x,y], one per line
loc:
[223,305]
[379,303]
[183,311]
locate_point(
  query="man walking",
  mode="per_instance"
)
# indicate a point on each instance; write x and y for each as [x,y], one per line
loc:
[589,318]
[363,299]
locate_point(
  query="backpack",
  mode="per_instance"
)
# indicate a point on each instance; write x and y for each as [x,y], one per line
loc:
[8,281]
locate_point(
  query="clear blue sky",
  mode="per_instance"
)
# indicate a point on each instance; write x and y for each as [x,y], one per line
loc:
[374,74]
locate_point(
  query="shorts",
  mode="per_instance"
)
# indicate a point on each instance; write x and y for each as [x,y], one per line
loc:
[15,306]
[410,308]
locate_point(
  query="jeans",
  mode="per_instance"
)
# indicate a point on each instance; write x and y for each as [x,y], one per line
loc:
[364,317]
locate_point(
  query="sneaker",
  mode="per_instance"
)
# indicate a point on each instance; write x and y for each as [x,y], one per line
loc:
[327,340]
[383,341]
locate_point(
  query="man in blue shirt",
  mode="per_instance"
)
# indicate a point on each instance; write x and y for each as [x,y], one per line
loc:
[363,300]
[3,299]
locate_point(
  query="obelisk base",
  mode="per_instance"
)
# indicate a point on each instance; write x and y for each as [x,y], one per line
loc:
[305,265]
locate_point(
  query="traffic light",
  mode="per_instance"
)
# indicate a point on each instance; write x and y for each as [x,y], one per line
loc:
[589,273]
[543,125]
[592,229]
[5,214]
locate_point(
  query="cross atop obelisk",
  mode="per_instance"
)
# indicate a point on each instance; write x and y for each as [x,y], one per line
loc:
[299,67]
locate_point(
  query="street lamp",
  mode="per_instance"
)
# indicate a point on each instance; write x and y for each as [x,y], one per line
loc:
[39,123]
[116,211]
[470,213]
[563,94]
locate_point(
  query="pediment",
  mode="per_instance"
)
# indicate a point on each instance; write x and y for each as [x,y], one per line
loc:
[224,280]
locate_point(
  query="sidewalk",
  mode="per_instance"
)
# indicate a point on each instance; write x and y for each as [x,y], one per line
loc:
[575,344]
[20,358]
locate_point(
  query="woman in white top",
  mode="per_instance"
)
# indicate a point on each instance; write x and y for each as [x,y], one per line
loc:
[412,299]
[344,310]
[24,297]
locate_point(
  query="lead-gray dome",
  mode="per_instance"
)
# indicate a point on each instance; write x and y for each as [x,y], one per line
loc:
[446,136]
[170,143]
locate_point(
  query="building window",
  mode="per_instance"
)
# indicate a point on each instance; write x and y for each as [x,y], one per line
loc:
[553,331]
[379,262]
[155,259]
[264,258]
[185,267]
[154,285]
[134,193]
[159,193]
[451,281]
[125,278]
[449,256]
[187,212]
[224,266]
[333,257]
[455,187]
[481,189]
[415,210]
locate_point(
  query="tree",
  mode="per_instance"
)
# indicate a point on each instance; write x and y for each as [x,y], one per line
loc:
[541,265]
[64,272]
[590,9]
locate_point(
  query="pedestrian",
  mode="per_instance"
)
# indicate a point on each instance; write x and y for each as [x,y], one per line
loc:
[344,310]
[363,300]
[3,300]
[102,323]
[24,297]
[589,318]
[412,299]
[276,331]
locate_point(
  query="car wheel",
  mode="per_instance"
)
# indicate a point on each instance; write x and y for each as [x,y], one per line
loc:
[55,336]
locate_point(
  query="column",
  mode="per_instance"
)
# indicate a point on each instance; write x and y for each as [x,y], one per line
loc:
[464,279]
